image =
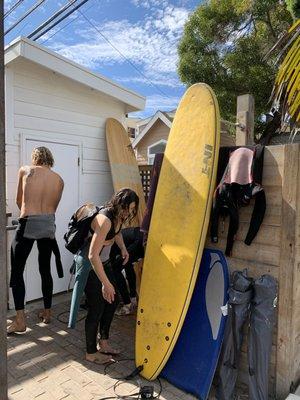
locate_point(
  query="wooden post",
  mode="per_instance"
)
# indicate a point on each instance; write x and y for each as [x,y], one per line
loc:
[245,120]
[3,265]
[288,274]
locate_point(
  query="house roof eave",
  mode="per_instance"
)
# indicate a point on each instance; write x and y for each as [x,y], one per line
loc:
[156,116]
[30,50]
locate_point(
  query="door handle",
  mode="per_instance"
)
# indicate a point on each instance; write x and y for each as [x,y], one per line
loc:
[13,225]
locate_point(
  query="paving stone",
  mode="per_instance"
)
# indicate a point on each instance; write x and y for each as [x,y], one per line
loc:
[47,363]
[77,375]
[22,394]
[81,366]
[75,390]
[96,390]
[15,370]
[12,390]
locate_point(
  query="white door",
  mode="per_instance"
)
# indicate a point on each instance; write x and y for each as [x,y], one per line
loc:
[66,165]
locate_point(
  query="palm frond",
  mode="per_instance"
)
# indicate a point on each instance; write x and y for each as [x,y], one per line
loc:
[286,90]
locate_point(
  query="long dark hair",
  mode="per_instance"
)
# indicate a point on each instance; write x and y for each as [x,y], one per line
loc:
[121,201]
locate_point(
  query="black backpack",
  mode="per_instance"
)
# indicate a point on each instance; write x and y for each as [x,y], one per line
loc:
[79,227]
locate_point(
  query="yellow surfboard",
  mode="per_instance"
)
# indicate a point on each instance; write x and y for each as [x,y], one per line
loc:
[178,227]
[123,164]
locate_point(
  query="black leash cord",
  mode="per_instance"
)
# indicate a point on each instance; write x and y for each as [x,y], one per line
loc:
[65,322]
[121,381]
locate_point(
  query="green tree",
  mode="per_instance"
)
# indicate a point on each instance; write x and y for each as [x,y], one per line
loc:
[224,44]
[294,8]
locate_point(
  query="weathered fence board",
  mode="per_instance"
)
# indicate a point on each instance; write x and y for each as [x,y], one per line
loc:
[275,251]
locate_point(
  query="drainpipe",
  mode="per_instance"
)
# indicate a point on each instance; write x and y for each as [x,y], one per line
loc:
[3,265]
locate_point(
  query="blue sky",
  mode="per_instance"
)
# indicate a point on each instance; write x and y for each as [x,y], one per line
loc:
[146,32]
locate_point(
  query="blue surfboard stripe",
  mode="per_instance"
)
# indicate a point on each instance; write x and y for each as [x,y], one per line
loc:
[192,364]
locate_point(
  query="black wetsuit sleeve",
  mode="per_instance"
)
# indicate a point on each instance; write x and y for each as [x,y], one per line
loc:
[258,164]
[232,229]
[257,216]
[214,220]
[56,252]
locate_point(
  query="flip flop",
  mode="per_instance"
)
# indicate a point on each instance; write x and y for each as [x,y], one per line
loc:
[12,328]
[105,360]
[42,318]
[113,352]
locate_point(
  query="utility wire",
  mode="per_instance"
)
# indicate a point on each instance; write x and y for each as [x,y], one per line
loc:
[122,55]
[55,15]
[12,8]
[61,19]
[34,7]
[63,27]
[104,37]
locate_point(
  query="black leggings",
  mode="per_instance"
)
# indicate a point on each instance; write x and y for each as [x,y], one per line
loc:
[133,240]
[100,312]
[121,281]
[20,250]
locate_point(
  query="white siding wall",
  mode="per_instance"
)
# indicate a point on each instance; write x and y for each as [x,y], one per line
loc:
[49,106]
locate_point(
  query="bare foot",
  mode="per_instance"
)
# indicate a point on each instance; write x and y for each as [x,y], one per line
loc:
[16,326]
[45,316]
[98,358]
[105,348]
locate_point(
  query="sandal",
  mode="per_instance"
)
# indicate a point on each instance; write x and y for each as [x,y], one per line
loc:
[14,328]
[124,310]
[110,351]
[43,318]
[101,359]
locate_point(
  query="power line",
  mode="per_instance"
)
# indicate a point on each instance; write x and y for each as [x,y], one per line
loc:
[35,6]
[61,19]
[63,27]
[12,8]
[56,14]
[104,37]
[122,55]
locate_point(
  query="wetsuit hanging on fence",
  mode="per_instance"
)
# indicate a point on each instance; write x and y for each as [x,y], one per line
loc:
[241,170]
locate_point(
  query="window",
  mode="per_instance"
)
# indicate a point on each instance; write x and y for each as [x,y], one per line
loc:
[158,147]
[131,132]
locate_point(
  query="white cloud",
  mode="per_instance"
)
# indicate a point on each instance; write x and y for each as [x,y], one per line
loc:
[171,81]
[8,4]
[158,102]
[151,44]
[150,3]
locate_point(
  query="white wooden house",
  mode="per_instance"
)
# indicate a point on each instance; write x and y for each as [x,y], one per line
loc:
[54,102]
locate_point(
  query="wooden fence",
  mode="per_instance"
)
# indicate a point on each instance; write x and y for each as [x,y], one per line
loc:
[276,251]
[145,172]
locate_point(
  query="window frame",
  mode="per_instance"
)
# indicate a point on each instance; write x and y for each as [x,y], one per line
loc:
[152,156]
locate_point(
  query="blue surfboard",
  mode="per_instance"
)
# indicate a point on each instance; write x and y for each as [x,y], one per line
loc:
[192,364]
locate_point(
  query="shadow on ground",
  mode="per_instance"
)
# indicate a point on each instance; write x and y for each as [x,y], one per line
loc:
[47,362]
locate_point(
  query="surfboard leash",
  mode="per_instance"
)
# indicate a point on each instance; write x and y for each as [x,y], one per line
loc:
[145,392]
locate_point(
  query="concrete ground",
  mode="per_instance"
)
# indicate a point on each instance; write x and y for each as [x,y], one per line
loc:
[47,362]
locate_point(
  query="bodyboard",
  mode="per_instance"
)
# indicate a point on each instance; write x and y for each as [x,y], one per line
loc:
[193,362]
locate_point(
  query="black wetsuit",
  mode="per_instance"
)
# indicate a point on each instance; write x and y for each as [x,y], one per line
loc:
[229,197]
[20,250]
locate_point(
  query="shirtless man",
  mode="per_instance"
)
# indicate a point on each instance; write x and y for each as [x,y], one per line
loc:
[38,194]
